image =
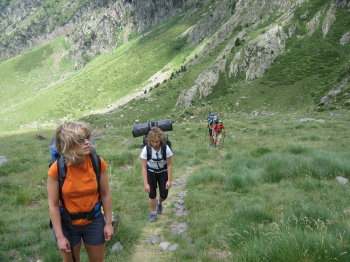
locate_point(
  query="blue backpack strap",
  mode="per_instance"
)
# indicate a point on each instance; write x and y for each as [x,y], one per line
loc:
[96,164]
[62,170]
[54,153]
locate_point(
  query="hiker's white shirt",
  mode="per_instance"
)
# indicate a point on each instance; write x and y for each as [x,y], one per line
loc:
[156,155]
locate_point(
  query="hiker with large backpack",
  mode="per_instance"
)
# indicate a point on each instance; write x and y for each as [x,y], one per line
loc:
[156,160]
[78,188]
[218,130]
[211,121]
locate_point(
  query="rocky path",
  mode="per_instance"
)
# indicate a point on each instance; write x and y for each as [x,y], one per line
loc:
[153,244]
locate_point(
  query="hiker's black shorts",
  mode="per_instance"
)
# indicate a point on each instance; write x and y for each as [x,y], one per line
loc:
[210,132]
[159,179]
[91,234]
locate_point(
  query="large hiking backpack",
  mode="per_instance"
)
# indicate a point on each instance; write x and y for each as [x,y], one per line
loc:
[149,149]
[213,119]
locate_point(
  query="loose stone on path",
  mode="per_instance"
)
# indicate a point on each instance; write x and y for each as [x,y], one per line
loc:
[179,228]
[180,209]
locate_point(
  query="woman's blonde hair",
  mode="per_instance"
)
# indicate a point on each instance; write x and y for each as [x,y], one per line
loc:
[67,136]
[156,133]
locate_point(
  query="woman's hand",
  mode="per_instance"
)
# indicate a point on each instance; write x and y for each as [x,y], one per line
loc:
[168,184]
[108,232]
[147,188]
[63,244]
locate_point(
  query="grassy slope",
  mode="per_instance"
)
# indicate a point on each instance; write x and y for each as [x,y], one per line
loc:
[235,207]
[297,80]
[104,81]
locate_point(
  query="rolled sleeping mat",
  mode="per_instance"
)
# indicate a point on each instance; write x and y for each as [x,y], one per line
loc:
[144,128]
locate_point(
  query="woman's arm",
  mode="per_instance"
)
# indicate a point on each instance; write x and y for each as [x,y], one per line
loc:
[107,205]
[170,171]
[144,174]
[52,197]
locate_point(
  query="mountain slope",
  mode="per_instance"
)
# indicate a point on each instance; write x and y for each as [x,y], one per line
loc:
[233,56]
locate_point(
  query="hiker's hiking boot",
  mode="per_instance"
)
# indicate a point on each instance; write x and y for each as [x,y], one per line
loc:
[153,217]
[159,207]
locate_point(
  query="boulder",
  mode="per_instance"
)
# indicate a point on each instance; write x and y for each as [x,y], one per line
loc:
[3,160]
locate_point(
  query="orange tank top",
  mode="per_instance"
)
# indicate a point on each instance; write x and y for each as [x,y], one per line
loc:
[79,191]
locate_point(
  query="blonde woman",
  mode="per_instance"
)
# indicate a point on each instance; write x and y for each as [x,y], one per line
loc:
[75,205]
[156,160]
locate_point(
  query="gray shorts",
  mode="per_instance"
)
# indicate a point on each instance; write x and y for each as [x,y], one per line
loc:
[91,234]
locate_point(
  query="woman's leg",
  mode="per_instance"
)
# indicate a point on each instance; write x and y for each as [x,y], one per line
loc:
[95,253]
[67,257]
[163,192]
[152,181]
[218,140]
[93,239]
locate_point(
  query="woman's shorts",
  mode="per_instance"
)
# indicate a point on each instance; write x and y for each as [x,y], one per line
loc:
[218,136]
[91,234]
[159,179]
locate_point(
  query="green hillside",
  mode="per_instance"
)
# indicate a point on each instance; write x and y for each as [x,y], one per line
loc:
[41,86]
[102,82]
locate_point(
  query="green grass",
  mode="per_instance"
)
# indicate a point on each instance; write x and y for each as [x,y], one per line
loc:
[264,186]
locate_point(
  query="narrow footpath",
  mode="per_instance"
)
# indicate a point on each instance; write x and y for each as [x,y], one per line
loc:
[153,244]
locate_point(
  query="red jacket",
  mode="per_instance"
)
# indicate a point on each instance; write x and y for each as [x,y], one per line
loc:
[218,128]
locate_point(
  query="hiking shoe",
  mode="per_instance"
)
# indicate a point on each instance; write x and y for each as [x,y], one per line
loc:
[153,217]
[159,207]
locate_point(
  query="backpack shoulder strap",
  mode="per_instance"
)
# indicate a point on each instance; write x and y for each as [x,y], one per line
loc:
[164,151]
[62,173]
[149,152]
[96,164]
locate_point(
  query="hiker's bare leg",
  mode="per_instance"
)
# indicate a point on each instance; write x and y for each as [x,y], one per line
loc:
[95,253]
[67,257]
[218,141]
[153,204]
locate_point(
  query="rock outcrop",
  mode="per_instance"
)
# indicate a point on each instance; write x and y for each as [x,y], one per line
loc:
[258,55]
[255,55]
[336,91]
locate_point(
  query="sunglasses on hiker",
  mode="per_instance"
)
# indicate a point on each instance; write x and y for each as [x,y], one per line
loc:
[82,139]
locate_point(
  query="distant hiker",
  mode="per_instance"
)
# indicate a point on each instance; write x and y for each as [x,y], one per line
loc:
[218,129]
[211,121]
[156,160]
[77,188]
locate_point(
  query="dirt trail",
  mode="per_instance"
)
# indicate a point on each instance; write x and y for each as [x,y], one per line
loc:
[153,244]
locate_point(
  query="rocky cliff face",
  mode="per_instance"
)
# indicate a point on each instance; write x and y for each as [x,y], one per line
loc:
[92,27]
[254,54]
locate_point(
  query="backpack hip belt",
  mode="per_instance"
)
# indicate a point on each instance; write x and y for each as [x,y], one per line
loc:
[91,215]
[160,170]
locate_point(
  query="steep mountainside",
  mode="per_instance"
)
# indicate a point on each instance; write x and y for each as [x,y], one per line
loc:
[92,27]
[248,56]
